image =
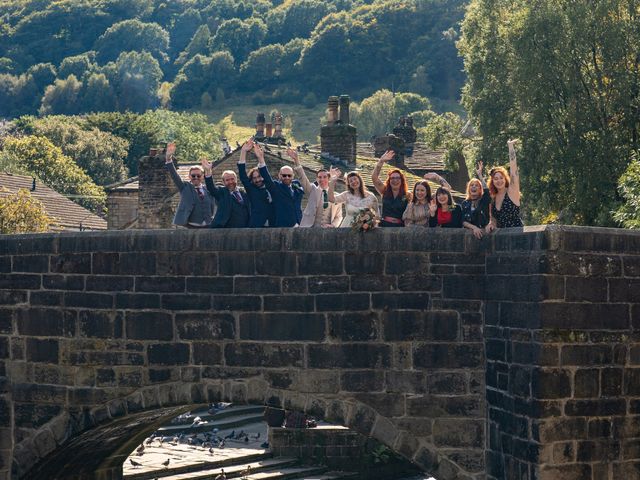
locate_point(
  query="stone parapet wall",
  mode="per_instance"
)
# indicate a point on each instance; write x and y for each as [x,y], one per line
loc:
[391,333]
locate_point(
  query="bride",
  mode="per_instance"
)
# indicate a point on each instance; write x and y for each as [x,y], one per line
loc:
[356,197]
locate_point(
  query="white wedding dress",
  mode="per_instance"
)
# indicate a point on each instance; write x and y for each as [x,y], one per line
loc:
[354,204]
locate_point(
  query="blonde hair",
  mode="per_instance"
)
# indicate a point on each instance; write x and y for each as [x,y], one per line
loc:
[228,172]
[471,182]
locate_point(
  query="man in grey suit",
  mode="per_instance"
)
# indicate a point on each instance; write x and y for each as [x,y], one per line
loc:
[196,206]
[320,212]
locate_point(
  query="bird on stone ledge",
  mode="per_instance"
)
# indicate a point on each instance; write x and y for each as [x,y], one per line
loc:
[140,450]
[246,472]
[166,463]
[222,476]
[134,463]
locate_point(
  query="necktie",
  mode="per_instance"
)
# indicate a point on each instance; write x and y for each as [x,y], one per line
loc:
[200,193]
[237,196]
[325,199]
[291,191]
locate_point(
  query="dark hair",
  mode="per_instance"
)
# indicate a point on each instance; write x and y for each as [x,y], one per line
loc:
[251,172]
[361,188]
[447,192]
[426,185]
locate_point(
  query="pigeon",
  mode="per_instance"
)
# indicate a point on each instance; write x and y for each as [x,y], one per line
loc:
[166,463]
[231,435]
[211,450]
[246,439]
[240,435]
[140,450]
[222,476]
[150,440]
[256,436]
[246,472]
[134,463]
[221,444]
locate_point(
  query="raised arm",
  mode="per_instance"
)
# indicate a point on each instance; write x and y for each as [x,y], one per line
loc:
[299,170]
[334,174]
[479,168]
[514,183]
[242,163]
[168,163]
[375,176]
[434,177]
[264,171]
[208,179]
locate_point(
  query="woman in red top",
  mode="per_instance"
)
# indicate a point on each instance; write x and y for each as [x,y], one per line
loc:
[443,212]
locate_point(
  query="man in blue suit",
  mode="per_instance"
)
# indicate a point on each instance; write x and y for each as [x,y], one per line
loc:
[262,211]
[286,192]
[234,209]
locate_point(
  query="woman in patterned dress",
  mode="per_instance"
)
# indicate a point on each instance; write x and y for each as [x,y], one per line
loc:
[417,212]
[505,194]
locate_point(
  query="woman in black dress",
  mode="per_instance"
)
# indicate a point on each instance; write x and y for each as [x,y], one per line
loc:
[395,192]
[505,194]
[443,212]
[475,208]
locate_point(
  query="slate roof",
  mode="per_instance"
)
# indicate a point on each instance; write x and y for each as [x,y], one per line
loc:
[68,215]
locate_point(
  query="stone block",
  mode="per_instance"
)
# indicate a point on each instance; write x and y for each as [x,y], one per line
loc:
[362,381]
[205,326]
[109,283]
[234,303]
[168,354]
[217,285]
[318,264]
[236,264]
[294,285]
[276,263]
[20,282]
[458,433]
[420,282]
[632,381]
[356,263]
[70,263]
[466,287]
[447,383]
[31,263]
[186,263]
[429,406]
[206,353]
[373,283]
[392,301]
[282,326]
[401,263]
[186,302]
[97,324]
[288,303]
[63,282]
[263,355]
[256,285]
[149,326]
[342,302]
[160,284]
[88,300]
[328,284]
[45,322]
[598,451]
[586,355]
[353,326]
[590,289]
[611,382]
[587,316]
[433,355]
[595,408]
[546,383]
[354,355]
[136,301]
[402,381]
[44,298]
[411,325]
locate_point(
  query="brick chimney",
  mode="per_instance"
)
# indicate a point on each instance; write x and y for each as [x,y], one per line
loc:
[338,137]
[277,120]
[390,142]
[260,127]
[268,130]
[155,190]
[408,133]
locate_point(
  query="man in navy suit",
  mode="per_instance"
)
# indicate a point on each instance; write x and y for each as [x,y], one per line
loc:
[262,211]
[234,209]
[286,192]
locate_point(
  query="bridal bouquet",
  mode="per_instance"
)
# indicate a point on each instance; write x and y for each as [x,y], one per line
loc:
[366,220]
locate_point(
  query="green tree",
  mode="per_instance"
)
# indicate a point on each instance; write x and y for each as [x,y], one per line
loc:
[97,94]
[297,19]
[61,97]
[136,78]
[198,45]
[628,214]
[98,153]
[184,28]
[563,76]
[21,213]
[263,67]
[203,74]
[132,35]
[239,37]
[446,132]
[41,158]
[76,65]
[379,113]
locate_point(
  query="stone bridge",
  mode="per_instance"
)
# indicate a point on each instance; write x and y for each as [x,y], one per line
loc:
[514,357]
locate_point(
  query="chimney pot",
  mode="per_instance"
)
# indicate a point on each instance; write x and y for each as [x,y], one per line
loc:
[344,109]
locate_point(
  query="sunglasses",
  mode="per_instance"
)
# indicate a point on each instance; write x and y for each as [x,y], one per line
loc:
[193,175]
[286,175]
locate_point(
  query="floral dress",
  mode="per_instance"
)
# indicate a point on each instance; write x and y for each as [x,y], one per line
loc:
[354,204]
[508,215]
